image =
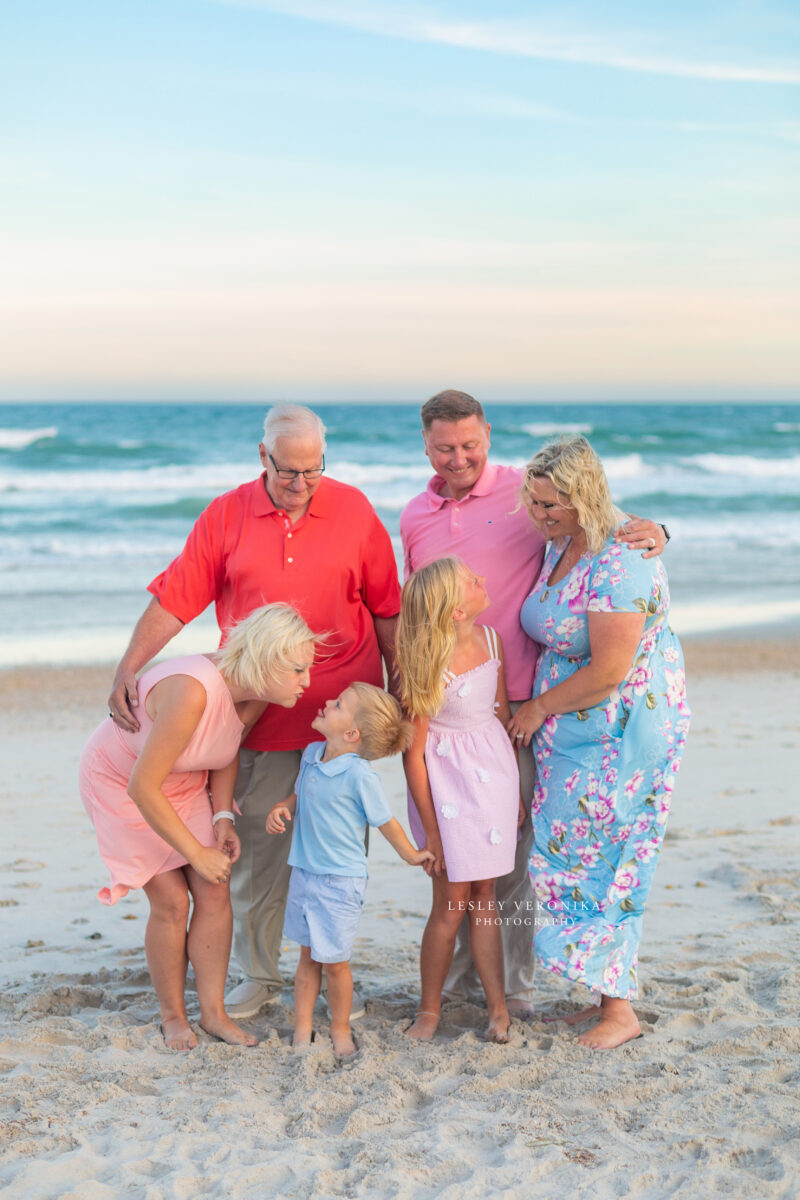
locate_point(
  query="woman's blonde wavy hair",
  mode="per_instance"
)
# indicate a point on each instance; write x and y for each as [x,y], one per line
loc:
[261,645]
[577,474]
[426,636]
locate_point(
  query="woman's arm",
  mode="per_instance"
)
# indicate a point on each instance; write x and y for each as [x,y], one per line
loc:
[176,705]
[613,641]
[420,788]
[503,710]
[222,783]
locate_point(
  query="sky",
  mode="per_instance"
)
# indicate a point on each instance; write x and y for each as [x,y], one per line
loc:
[267,199]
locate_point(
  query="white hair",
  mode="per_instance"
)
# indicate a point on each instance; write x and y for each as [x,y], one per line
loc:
[292,420]
[262,645]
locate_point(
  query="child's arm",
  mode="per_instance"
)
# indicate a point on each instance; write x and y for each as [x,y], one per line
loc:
[396,836]
[279,814]
[503,710]
[420,788]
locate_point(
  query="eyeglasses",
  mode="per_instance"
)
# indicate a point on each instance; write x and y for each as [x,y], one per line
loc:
[287,476]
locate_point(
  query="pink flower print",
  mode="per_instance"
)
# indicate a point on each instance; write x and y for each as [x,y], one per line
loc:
[615,579]
[558,829]
[580,827]
[645,851]
[539,797]
[577,589]
[551,724]
[572,782]
[612,972]
[548,892]
[622,834]
[568,626]
[592,785]
[610,777]
[625,881]
[634,783]
[589,855]
[639,678]
[676,689]
[549,622]
[642,823]
[601,812]
[611,708]
[671,655]
[597,603]
[576,968]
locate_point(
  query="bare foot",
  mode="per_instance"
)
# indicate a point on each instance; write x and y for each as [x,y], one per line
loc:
[302,1041]
[498,1030]
[343,1044]
[178,1034]
[226,1030]
[523,1010]
[610,1032]
[424,1026]
[577,1017]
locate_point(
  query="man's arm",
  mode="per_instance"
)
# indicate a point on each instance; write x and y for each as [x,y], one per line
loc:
[153,630]
[385,632]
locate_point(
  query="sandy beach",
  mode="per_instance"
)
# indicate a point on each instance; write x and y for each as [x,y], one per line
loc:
[92,1105]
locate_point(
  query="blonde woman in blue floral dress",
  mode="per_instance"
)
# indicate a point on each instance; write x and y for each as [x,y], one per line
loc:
[609,721]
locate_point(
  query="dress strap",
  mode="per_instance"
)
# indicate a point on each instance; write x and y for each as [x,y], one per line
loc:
[491,640]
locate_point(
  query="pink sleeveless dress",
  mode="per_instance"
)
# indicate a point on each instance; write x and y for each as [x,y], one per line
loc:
[473,776]
[132,851]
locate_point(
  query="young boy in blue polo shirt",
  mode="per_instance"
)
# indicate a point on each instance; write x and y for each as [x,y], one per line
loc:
[337,794]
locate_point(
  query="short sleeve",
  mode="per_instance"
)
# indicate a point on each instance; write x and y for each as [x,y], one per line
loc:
[620,580]
[372,798]
[194,579]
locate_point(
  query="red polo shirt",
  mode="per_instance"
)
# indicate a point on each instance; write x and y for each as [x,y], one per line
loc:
[335,565]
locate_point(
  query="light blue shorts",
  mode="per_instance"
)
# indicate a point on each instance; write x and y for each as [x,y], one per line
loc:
[322,912]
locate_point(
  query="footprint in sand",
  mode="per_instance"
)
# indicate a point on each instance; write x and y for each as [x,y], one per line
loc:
[24,864]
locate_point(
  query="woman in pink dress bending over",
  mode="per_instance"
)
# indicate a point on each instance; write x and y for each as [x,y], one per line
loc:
[463,781]
[161,802]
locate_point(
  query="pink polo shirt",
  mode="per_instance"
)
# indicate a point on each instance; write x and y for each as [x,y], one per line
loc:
[484,530]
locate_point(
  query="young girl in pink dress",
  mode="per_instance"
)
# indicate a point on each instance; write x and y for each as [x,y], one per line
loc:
[161,802]
[464,802]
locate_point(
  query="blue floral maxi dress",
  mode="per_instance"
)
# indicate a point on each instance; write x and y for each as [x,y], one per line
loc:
[604,775]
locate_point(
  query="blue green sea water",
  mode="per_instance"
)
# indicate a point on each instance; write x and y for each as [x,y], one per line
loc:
[97,498]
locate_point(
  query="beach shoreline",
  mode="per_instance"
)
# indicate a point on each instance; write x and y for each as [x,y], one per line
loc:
[93,1106]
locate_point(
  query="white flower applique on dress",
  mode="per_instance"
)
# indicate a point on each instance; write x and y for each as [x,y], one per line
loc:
[482,774]
[449,811]
[444,747]
[495,837]
[465,690]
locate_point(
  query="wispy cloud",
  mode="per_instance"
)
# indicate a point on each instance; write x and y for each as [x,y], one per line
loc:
[520,38]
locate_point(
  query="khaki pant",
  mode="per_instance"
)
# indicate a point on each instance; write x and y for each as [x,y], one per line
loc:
[260,879]
[516,908]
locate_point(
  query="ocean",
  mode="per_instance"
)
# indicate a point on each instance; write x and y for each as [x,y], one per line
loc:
[97,498]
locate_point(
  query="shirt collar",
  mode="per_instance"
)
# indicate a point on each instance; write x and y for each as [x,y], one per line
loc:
[483,486]
[336,766]
[320,505]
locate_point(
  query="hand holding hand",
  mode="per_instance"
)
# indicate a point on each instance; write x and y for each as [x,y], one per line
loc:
[277,818]
[212,865]
[433,864]
[526,720]
[420,857]
[228,841]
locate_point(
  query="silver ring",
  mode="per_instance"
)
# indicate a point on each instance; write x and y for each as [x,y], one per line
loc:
[519,736]
[652,543]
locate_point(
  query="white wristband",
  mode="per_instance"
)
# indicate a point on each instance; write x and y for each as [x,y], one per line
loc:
[224,814]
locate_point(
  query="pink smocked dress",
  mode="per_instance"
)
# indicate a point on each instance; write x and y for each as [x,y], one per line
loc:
[473,776]
[132,851]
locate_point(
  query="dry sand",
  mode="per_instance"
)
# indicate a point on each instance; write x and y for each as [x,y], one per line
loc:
[93,1106]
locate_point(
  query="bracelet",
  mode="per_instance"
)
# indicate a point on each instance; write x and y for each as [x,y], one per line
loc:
[667,534]
[223,814]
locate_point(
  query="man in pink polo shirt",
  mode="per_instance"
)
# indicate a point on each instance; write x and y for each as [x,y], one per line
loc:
[470,508]
[297,536]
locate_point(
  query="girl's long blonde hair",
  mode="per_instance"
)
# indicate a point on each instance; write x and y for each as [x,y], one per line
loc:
[426,636]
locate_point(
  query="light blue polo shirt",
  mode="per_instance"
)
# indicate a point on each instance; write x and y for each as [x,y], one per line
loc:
[336,801]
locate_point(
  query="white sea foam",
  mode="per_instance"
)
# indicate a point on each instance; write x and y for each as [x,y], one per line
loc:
[787,427]
[18,439]
[553,429]
[746,464]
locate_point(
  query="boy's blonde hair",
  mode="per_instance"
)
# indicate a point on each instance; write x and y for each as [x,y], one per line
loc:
[426,635]
[264,643]
[574,470]
[380,721]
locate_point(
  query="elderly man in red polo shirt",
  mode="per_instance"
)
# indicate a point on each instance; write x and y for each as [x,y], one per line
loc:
[471,508]
[297,536]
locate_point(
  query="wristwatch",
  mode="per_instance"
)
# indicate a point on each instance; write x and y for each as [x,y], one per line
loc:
[666,532]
